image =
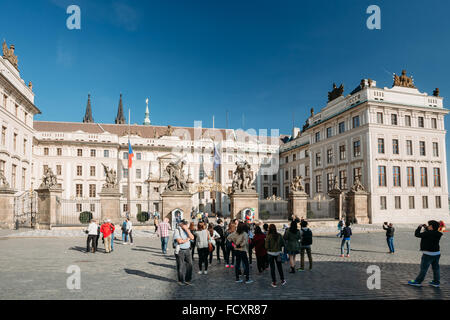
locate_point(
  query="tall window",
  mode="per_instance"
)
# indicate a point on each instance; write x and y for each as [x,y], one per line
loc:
[433,123]
[421,122]
[382,176]
[125,172]
[317,136]
[435,149]
[437,177]
[357,173]
[408,121]
[24,146]
[424,202]
[92,171]
[138,173]
[286,174]
[438,202]
[3,136]
[409,148]
[79,190]
[59,151]
[13,176]
[423,177]
[286,159]
[125,155]
[380,145]
[79,170]
[397,179]
[330,180]
[58,169]
[343,179]
[410,176]
[422,147]
[355,122]
[329,155]
[356,148]
[329,132]
[138,156]
[318,184]
[93,153]
[79,152]
[45,151]
[342,152]
[106,153]
[412,205]
[24,173]
[15,141]
[380,117]
[318,159]
[92,191]
[383,205]
[306,171]
[398,202]
[394,119]
[341,127]
[265,192]
[395,146]
[138,191]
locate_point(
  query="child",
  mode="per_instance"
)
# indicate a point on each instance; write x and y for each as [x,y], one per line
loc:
[346,233]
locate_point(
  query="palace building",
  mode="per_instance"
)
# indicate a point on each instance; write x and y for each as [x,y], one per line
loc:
[393,139]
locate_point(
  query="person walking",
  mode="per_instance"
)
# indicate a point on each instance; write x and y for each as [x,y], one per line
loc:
[346,234]
[214,237]
[258,242]
[182,236]
[240,239]
[193,242]
[305,245]
[124,232]
[389,236]
[107,229]
[130,230]
[202,247]
[163,234]
[292,237]
[274,245]
[229,249]
[92,236]
[220,243]
[429,245]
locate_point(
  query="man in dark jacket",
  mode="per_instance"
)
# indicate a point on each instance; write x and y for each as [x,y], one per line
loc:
[389,236]
[220,243]
[429,245]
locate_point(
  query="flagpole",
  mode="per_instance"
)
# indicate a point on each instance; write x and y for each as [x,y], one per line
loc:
[129,171]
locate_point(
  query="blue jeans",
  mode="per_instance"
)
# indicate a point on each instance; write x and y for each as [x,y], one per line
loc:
[425,264]
[347,243]
[112,241]
[124,236]
[241,256]
[164,241]
[390,242]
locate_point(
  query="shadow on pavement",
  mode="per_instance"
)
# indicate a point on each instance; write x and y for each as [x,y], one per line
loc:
[163,265]
[148,275]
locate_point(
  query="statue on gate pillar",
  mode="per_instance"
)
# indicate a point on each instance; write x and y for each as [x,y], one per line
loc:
[49,180]
[111,178]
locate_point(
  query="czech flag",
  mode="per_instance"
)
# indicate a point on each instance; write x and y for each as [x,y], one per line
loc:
[130,155]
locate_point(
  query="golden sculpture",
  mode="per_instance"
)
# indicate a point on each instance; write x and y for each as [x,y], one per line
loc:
[9,54]
[403,80]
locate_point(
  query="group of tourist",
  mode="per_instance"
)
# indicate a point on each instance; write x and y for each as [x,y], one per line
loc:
[107,229]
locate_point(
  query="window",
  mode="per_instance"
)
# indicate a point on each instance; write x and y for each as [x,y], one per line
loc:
[318,159]
[92,193]
[15,141]
[343,179]
[286,193]
[58,169]
[106,153]
[382,176]
[383,203]
[138,191]
[380,145]
[275,191]
[3,136]
[92,207]
[438,202]
[395,146]
[422,147]
[420,122]
[79,207]
[294,157]
[329,155]
[306,171]
[92,171]
[318,184]
[93,153]
[394,119]
[357,173]
[424,202]
[397,179]
[380,117]
[45,151]
[13,176]
[138,156]
[24,146]
[411,202]
[138,173]
[330,180]
[356,148]
[355,122]
[24,173]
[408,121]
[317,136]
[125,207]
[25,117]
[423,177]
[435,149]
[125,172]
[398,203]
[294,173]
[44,168]
[16,111]
[274,177]
[286,174]
[409,148]
[59,151]
[266,192]
[286,159]
[437,177]
[79,190]
[125,155]
[79,152]
[5,100]
[433,123]
[2,166]
[230,175]
[410,176]
[329,132]
[79,170]
[341,127]
[342,152]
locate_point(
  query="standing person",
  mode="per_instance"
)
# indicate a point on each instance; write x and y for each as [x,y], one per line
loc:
[220,243]
[274,244]
[346,234]
[284,255]
[202,247]
[389,236]
[229,249]
[291,238]
[107,229]
[214,237]
[305,245]
[258,243]
[155,221]
[163,233]
[130,230]
[240,240]
[265,228]
[182,236]
[98,236]
[429,245]
[250,233]
[339,226]
[192,229]
[206,219]
[113,228]
[124,232]
[92,236]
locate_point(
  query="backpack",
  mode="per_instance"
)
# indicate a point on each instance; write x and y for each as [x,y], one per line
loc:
[219,230]
[306,238]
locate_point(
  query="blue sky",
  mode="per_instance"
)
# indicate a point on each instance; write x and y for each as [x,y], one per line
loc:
[267,60]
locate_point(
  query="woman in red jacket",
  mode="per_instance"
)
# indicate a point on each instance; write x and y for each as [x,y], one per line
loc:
[258,242]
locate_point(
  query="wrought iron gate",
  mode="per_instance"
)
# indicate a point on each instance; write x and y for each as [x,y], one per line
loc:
[25,210]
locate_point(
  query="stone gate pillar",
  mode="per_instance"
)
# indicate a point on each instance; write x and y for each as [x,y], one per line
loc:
[298,202]
[49,205]
[244,199]
[110,205]
[7,208]
[336,195]
[359,210]
[172,200]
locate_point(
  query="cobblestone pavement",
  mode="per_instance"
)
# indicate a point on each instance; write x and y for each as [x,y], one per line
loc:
[35,268]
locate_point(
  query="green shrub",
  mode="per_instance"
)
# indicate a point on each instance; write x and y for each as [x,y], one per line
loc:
[264,215]
[85,217]
[143,216]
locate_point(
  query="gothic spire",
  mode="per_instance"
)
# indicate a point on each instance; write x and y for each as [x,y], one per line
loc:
[88,115]
[147,115]
[120,119]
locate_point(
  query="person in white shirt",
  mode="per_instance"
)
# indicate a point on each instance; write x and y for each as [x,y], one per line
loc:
[92,232]
[130,231]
